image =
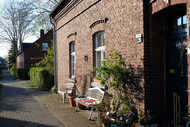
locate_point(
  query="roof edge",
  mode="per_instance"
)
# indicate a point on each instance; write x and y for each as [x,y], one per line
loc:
[58,7]
[63,7]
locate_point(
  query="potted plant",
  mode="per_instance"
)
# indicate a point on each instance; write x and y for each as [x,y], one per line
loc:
[103,109]
[118,80]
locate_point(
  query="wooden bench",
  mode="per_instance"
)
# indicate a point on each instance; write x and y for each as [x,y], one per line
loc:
[93,97]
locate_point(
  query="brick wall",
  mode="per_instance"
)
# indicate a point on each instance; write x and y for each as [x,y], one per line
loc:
[125,20]
[159,5]
[34,53]
[20,61]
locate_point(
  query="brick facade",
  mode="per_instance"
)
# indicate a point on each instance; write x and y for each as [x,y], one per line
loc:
[125,19]
[34,53]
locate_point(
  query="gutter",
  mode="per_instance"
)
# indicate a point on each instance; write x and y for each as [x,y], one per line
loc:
[55,51]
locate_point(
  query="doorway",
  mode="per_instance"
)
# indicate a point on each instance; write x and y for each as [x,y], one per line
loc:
[169,59]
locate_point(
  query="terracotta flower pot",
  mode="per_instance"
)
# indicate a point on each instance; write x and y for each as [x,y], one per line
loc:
[72,101]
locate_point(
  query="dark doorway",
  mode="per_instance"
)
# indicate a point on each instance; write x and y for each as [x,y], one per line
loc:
[169,59]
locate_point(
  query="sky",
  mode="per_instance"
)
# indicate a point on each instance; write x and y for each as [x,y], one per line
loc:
[4,47]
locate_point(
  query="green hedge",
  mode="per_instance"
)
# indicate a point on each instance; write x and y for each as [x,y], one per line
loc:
[41,77]
[1,76]
[13,71]
[22,74]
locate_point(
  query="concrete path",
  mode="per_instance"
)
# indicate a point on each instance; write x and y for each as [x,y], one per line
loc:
[19,108]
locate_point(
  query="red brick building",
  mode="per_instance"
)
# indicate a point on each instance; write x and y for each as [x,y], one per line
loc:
[152,35]
[34,52]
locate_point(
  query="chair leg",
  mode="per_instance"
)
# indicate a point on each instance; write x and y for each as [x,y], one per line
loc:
[63,95]
[77,109]
[90,114]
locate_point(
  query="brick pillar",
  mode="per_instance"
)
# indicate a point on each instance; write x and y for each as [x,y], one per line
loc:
[147,54]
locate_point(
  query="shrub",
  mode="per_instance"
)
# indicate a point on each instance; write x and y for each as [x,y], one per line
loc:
[1,76]
[121,83]
[53,89]
[48,61]
[23,74]
[41,77]
[13,71]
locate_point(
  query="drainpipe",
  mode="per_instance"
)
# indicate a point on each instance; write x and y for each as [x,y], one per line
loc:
[55,50]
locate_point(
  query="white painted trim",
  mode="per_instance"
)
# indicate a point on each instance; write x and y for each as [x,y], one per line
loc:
[102,48]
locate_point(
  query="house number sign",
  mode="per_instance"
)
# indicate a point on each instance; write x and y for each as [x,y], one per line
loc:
[139,38]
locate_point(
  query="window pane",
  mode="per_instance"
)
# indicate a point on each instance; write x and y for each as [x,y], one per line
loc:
[98,59]
[72,47]
[102,39]
[72,59]
[179,21]
[96,42]
[185,19]
[72,64]
[99,39]
[44,46]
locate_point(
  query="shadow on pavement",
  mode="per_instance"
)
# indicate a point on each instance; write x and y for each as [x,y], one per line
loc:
[12,98]
[5,122]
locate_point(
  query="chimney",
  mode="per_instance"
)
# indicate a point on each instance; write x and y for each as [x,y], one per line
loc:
[41,33]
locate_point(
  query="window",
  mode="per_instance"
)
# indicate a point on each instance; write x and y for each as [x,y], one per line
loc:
[182,20]
[44,46]
[72,59]
[99,48]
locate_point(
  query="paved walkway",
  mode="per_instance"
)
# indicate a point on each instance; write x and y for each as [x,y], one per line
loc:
[18,108]
[23,106]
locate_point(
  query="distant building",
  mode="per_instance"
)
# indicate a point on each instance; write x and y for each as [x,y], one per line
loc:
[3,63]
[34,52]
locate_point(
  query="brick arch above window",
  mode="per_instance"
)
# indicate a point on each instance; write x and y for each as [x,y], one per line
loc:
[100,21]
[98,27]
[71,37]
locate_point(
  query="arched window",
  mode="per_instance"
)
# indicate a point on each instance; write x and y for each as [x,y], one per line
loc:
[99,48]
[72,59]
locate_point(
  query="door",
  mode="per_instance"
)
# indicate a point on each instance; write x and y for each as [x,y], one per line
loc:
[176,68]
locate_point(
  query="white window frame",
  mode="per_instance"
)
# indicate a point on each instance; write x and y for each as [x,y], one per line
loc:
[100,49]
[45,46]
[72,54]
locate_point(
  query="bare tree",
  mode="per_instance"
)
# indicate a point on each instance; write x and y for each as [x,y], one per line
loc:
[15,21]
[43,9]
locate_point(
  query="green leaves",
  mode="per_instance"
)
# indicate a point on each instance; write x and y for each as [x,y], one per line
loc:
[113,70]
[123,82]
[48,61]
